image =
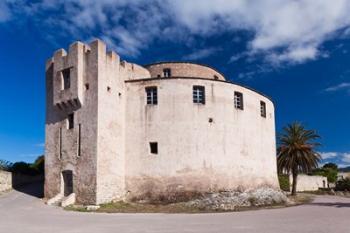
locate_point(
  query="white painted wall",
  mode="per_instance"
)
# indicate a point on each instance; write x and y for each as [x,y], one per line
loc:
[237,150]
[309,183]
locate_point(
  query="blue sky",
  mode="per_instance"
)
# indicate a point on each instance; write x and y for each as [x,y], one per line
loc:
[297,52]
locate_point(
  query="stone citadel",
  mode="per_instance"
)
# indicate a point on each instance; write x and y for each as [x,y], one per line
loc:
[118,130]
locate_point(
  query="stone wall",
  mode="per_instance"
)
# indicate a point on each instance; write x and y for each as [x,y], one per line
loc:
[9,180]
[5,181]
[184,69]
[309,183]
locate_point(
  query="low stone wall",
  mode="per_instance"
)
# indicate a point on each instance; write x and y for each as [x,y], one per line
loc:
[5,181]
[9,180]
[309,183]
[19,179]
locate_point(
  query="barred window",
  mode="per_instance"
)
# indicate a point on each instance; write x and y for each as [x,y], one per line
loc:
[199,94]
[238,100]
[152,97]
[263,109]
[166,72]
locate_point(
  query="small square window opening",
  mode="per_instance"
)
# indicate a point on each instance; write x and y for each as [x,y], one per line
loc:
[153,147]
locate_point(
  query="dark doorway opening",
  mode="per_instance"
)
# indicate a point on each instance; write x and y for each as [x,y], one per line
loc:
[67,182]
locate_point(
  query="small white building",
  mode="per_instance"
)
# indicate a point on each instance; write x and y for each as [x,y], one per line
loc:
[309,183]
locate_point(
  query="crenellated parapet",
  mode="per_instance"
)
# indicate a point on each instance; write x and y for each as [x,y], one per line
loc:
[69,71]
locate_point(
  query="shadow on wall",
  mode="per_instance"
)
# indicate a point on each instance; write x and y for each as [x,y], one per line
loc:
[31,185]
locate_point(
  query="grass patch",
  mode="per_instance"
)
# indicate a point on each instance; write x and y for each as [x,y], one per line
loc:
[131,207]
[181,207]
[300,199]
[127,207]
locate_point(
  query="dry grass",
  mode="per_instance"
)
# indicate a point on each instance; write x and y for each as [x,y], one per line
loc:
[178,204]
[133,207]
[181,207]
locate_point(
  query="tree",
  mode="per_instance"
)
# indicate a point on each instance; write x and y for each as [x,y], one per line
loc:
[39,164]
[329,170]
[296,152]
[331,165]
[5,165]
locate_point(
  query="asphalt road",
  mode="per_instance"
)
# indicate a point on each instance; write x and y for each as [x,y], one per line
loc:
[21,211]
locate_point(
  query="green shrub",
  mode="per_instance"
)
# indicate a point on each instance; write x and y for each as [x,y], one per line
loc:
[23,168]
[343,185]
[329,171]
[5,165]
[284,182]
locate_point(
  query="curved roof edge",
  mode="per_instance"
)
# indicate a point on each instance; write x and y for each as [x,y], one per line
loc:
[206,79]
[184,62]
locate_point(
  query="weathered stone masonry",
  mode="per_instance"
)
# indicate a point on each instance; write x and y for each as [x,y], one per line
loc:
[100,129]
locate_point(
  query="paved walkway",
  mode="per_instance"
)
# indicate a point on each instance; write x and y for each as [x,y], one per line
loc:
[21,212]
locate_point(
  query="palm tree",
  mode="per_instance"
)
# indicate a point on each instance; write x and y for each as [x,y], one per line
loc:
[296,151]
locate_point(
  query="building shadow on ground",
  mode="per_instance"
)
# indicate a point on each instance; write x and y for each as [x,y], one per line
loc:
[331,204]
[35,189]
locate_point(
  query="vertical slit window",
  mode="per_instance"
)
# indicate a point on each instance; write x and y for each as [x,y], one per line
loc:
[152,95]
[79,140]
[70,121]
[199,94]
[263,109]
[238,100]
[60,143]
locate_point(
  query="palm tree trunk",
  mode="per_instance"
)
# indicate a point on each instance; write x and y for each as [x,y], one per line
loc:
[295,181]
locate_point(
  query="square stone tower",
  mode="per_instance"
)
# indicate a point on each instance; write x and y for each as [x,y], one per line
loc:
[84,154]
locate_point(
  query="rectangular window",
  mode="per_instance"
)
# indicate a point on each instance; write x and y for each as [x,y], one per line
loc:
[65,79]
[153,146]
[167,72]
[198,94]
[238,100]
[151,95]
[70,121]
[263,109]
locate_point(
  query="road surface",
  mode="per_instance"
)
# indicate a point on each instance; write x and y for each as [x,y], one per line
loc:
[21,211]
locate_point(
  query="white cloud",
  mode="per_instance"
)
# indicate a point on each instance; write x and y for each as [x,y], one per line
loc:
[201,53]
[338,87]
[343,165]
[40,144]
[5,13]
[284,31]
[341,158]
[328,155]
[346,157]
[289,30]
